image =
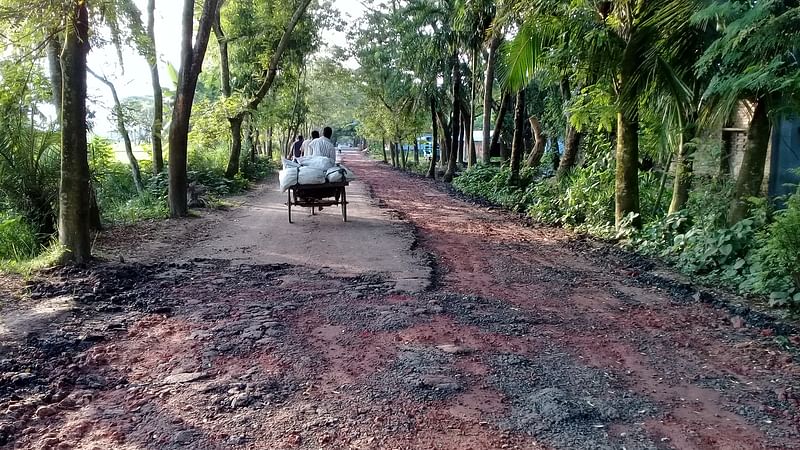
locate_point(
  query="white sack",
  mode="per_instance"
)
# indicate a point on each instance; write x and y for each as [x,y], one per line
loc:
[339,173]
[317,162]
[287,164]
[310,175]
[334,175]
[288,178]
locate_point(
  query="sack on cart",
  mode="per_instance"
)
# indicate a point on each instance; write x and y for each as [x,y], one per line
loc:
[310,175]
[289,164]
[288,177]
[339,173]
[317,162]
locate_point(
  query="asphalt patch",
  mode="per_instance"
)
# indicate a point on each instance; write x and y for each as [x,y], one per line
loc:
[568,405]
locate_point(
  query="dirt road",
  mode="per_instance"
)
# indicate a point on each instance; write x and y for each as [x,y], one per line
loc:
[425,322]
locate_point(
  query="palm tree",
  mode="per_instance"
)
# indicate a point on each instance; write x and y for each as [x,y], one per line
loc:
[626,47]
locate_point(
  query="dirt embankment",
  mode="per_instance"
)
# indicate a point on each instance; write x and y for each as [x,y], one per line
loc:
[237,330]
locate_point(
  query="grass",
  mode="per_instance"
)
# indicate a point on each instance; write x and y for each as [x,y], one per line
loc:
[146,206]
[50,257]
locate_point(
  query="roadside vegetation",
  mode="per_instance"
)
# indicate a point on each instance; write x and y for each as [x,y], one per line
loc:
[644,122]
[227,143]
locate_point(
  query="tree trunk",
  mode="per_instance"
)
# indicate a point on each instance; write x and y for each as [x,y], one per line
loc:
[572,137]
[383,148]
[751,172]
[572,144]
[434,140]
[222,42]
[461,139]
[725,157]
[73,196]
[472,157]
[683,169]
[455,122]
[235,122]
[54,61]
[444,139]
[535,157]
[517,146]
[269,142]
[252,140]
[123,131]
[627,174]
[416,151]
[95,222]
[488,85]
[504,104]
[158,100]
[191,65]
[236,147]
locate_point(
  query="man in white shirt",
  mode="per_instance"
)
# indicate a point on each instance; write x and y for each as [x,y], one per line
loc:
[305,149]
[323,146]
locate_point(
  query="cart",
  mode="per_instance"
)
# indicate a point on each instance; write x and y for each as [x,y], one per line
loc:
[316,196]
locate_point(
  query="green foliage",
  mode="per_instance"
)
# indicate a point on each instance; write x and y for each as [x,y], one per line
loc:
[696,239]
[490,183]
[18,240]
[259,169]
[754,54]
[754,256]
[29,153]
[583,200]
[776,267]
[146,206]
[210,128]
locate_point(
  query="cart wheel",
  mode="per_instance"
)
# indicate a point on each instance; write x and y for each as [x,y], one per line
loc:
[344,206]
[289,204]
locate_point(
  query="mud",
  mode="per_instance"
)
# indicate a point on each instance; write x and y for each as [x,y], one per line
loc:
[465,328]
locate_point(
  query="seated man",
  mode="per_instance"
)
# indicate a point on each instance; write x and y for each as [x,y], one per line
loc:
[323,146]
[305,149]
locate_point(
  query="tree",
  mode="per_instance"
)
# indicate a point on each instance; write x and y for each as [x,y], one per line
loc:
[626,46]
[158,99]
[191,65]
[266,80]
[119,115]
[434,141]
[455,120]
[754,58]
[73,211]
[488,86]
[518,142]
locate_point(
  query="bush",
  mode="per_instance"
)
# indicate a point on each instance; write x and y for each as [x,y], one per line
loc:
[140,207]
[776,265]
[698,241]
[491,183]
[260,169]
[18,240]
[29,173]
[754,256]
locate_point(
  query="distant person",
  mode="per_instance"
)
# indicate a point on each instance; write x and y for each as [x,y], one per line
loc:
[306,147]
[297,147]
[323,146]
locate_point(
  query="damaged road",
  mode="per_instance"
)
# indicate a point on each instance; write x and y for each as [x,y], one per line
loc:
[425,322]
